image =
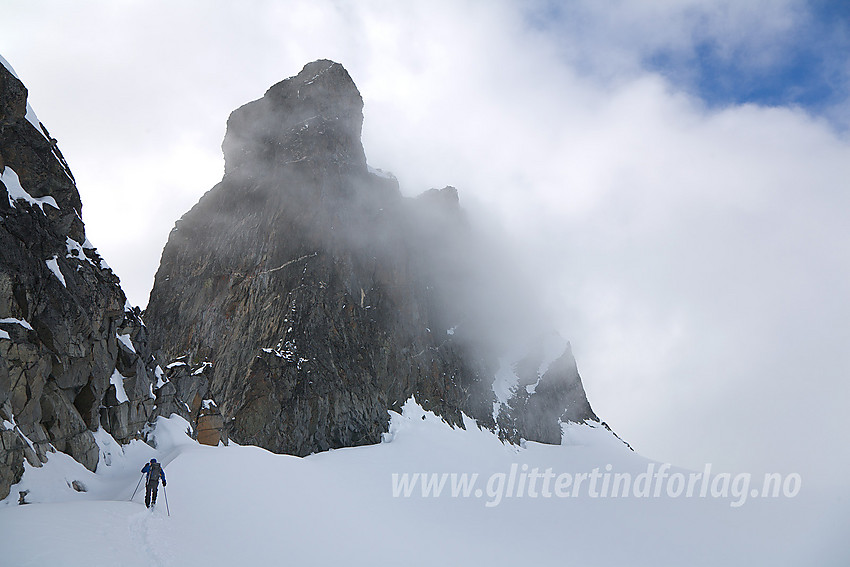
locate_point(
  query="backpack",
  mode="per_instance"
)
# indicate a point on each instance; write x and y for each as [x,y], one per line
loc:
[155,473]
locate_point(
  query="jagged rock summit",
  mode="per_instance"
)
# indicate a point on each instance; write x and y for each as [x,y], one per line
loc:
[316,115]
[317,297]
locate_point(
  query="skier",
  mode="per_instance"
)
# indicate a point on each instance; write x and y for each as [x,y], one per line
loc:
[154,472]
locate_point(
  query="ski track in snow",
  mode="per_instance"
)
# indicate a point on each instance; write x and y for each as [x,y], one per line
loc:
[148,527]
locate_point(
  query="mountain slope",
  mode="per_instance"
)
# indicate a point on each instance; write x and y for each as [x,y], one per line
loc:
[243,505]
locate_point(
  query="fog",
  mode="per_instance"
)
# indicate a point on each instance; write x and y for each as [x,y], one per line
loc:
[693,250]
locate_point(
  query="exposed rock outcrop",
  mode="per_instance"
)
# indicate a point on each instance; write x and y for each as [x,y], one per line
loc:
[545,396]
[321,297]
[73,353]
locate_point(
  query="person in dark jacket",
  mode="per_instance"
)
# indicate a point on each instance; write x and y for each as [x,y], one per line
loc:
[155,473]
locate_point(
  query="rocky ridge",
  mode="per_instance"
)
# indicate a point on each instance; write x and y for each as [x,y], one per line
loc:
[74,355]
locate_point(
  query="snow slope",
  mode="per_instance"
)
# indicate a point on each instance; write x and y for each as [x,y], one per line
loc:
[245,506]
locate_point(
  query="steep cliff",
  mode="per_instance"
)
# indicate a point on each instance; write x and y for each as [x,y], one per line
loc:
[316,297]
[73,353]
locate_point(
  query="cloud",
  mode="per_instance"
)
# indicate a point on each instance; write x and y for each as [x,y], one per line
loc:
[695,255]
[686,249]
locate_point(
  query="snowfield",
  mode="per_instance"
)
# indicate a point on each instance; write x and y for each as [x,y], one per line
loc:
[245,506]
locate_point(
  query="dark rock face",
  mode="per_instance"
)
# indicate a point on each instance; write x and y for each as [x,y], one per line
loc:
[73,356]
[319,297]
[543,401]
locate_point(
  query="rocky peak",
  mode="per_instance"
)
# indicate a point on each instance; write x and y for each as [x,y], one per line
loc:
[318,298]
[317,115]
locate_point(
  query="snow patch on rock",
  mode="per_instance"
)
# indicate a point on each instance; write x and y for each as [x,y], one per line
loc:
[17,192]
[53,266]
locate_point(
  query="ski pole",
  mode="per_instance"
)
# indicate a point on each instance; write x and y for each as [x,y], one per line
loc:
[137,486]
[165,492]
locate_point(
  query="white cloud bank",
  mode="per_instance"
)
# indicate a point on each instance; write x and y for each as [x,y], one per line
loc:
[697,258]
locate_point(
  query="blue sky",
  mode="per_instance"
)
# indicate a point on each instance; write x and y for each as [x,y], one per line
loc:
[810,71]
[782,53]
